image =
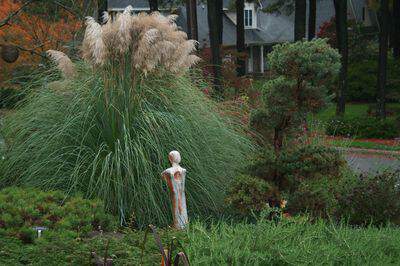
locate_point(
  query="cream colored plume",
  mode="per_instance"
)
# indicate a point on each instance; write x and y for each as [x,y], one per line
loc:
[149,42]
[64,64]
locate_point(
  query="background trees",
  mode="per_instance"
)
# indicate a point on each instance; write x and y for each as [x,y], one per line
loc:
[300,16]
[383,18]
[214,8]
[396,30]
[312,19]
[191,14]
[36,26]
[153,5]
[240,37]
[342,42]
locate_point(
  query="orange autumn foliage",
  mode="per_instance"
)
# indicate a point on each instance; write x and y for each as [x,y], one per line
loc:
[34,34]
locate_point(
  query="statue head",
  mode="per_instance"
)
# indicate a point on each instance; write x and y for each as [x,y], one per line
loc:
[174,157]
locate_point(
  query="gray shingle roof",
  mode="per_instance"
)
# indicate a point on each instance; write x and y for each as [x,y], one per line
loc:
[122,4]
[140,4]
[272,28]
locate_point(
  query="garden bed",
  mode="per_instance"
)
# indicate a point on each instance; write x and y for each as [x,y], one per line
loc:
[293,241]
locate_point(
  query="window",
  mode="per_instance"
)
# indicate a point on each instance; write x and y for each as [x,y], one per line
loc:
[248,18]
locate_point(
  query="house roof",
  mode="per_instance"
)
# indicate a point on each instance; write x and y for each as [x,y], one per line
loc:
[117,5]
[252,36]
[272,28]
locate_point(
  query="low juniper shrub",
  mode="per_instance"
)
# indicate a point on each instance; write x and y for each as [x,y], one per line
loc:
[248,194]
[315,198]
[298,164]
[22,209]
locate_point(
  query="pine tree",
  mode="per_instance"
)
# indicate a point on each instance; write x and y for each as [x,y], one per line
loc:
[300,75]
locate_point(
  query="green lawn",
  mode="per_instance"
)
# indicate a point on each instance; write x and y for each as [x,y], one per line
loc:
[292,242]
[353,110]
[354,143]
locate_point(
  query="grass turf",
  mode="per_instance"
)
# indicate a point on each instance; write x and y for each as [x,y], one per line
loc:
[361,144]
[353,110]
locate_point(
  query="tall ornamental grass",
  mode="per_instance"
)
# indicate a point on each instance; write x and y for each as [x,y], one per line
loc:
[105,130]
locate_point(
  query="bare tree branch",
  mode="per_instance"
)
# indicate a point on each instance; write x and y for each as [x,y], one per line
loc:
[68,9]
[32,51]
[15,13]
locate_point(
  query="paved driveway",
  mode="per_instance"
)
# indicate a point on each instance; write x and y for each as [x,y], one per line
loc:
[372,163]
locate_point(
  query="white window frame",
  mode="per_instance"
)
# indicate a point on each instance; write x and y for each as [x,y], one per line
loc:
[250,16]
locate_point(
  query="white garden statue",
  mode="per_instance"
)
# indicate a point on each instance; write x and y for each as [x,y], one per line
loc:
[175,178]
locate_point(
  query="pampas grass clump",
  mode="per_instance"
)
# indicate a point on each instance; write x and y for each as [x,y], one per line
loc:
[106,130]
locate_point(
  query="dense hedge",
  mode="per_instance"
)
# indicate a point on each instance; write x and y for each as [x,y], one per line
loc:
[370,199]
[362,81]
[363,127]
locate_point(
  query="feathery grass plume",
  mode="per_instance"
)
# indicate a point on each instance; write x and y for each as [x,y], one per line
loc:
[151,41]
[93,46]
[109,137]
[64,64]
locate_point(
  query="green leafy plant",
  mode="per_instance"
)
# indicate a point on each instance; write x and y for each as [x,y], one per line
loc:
[370,199]
[166,252]
[363,127]
[362,80]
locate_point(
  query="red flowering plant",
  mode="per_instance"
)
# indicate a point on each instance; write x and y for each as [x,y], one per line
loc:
[358,40]
[234,86]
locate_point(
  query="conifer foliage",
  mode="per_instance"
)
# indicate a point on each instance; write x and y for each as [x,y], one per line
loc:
[301,73]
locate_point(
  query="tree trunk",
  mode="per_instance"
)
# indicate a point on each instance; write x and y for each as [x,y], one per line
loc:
[220,12]
[191,11]
[278,144]
[342,42]
[153,5]
[396,29]
[215,33]
[240,39]
[383,16]
[101,10]
[312,19]
[300,20]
